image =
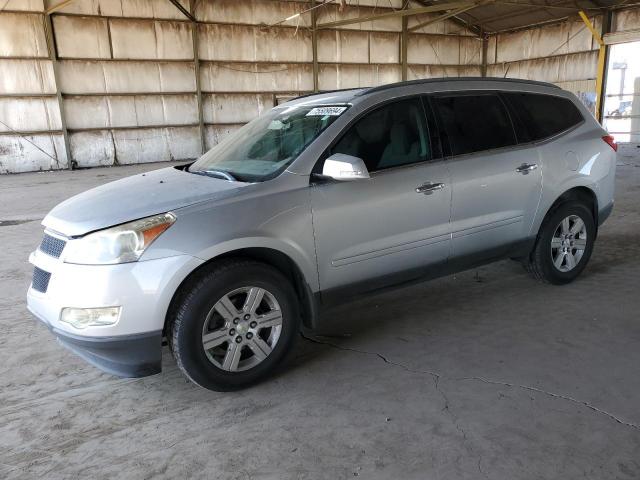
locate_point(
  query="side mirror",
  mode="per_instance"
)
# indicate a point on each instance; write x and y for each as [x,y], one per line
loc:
[345,168]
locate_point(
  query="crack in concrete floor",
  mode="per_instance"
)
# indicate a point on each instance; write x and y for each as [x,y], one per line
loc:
[437,376]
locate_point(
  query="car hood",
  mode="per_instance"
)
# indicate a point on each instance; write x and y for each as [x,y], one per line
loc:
[135,197]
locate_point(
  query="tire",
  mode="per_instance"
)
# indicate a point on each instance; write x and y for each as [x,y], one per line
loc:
[218,348]
[550,247]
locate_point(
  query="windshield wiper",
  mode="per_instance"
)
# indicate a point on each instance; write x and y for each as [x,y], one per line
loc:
[217,174]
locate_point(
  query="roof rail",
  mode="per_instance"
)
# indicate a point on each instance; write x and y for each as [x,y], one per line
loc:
[455,79]
[320,92]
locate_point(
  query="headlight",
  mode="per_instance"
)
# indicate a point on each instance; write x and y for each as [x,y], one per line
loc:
[121,244]
[90,317]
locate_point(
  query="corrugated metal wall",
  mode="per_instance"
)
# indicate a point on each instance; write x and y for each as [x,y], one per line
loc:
[127,75]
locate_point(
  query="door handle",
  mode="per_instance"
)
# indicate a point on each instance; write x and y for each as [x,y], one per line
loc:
[526,168]
[428,188]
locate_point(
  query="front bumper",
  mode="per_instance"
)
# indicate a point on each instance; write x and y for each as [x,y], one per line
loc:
[132,346]
[127,356]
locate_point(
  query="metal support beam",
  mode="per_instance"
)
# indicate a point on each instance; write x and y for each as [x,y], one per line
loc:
[457,20]
[442,7]
[602,54]
[404,47]
[543,6]
[314,45]
[53,56]
[57,7]
[606,28]
[485,49]
[445,16]
[196,65]
[184,11]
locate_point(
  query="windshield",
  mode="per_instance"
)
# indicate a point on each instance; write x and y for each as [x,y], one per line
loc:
[264,147]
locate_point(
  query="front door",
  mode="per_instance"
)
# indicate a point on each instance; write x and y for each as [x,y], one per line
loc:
[389,228]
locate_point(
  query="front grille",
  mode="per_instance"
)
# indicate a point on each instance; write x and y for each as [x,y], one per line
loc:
[52,246]
[40,281]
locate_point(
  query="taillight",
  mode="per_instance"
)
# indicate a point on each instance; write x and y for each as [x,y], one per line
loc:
[611,141]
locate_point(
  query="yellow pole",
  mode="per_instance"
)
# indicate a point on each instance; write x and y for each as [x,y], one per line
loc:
[601,56]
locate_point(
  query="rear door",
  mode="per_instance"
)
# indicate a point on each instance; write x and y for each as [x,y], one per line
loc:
[386,229]
[496,183]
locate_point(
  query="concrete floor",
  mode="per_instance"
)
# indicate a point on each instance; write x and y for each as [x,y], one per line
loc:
[486,374]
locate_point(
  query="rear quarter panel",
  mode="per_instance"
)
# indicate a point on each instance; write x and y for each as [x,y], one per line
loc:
[578,158]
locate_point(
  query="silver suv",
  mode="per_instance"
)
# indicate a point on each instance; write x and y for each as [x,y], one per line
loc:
[322,199]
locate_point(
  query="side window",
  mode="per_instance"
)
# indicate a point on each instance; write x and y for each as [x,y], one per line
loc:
[544,115]
[473,123]
[392,135]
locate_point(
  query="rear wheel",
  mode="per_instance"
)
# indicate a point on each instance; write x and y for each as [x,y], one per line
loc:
[564,244]
[234,324]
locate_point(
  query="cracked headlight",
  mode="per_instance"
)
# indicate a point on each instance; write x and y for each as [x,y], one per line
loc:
[121,244]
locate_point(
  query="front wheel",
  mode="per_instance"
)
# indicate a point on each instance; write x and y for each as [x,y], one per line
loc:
[234,323]
[564,244]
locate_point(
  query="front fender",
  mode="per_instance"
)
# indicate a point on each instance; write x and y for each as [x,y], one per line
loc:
[298,256]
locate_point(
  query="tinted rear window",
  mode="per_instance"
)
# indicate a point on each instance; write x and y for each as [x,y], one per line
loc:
[543,116]
[473,123]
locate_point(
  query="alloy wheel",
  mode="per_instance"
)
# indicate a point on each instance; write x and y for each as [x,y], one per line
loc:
[568,243]
[242,328]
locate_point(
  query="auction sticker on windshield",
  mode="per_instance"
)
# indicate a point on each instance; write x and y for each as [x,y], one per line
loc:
[322,111]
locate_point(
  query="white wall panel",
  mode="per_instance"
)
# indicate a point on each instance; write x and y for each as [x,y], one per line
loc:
[384,47]
[332,77]
[156,144]
[123,147]
[437,71]
[26,77]
[626,20]
[247,43]
[470,51]
[443,50]
[253,12]
[235,108]
[577,66]
[22,35]
[18,154]
[252,77]
[343,46]
[92,149]
[130,111]
[125,77]
[81,37]
[25,5]
[214,134]
[151,39]
[127,8]
[29,114]
[571,37]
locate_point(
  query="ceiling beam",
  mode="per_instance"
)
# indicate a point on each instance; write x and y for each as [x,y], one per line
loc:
[184,11]
[536,5]
[475,29]
[397,13]
[484,22]
[445,16]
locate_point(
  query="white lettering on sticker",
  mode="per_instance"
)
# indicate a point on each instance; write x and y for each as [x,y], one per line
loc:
[322,111]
